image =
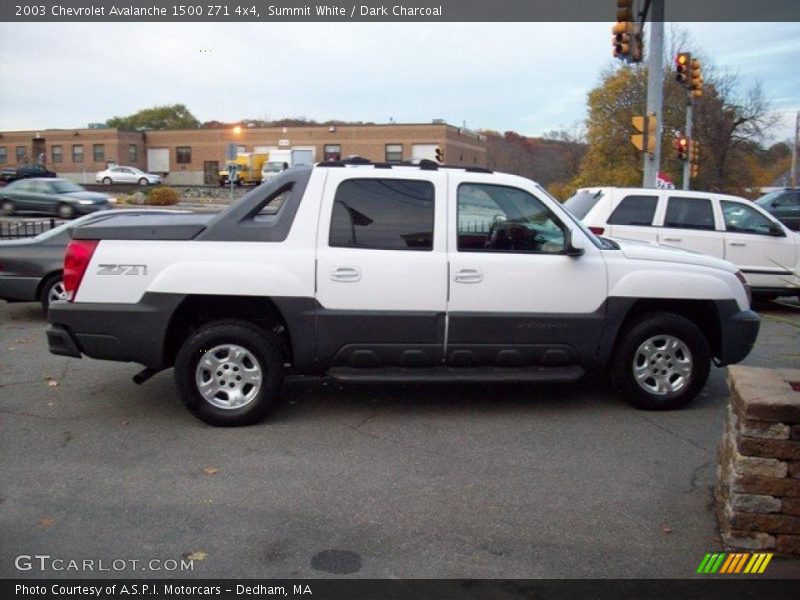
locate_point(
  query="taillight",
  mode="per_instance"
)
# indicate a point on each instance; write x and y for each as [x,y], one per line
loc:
[597,230]
[79,253]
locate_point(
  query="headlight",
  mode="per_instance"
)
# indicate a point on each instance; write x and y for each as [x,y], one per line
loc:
[85,202]
[112,200]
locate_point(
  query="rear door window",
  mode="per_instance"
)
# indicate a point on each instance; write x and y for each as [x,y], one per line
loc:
[689,213]
[635,210]
[383,214]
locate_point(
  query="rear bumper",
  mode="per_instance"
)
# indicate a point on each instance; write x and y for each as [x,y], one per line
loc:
[738,333]
[18,289]
[120,332]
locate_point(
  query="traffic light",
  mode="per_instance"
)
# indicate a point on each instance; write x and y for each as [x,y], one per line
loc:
[646,126]
[682,147]
[697,79]
[683,65]
[439,155]
[695,151]
[626,34]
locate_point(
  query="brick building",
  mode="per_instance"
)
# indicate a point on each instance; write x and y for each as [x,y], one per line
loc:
[193,156]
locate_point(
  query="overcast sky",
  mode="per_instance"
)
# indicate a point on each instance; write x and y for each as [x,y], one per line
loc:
[527,77]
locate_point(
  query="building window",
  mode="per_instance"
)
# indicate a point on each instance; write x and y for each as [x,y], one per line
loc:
[22,153]
[133,153]
[183,154]
[383,214]
[77,153]
[332,152]
[99,151]
[394,153]
[58,154]
[3,155]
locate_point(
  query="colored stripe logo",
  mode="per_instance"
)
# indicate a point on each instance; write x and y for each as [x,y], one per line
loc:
[734,563]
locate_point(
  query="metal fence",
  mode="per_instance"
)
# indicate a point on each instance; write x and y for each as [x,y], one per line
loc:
[14,230]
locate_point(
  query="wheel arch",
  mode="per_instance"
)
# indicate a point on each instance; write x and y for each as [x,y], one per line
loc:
[626,311]
[196,310]
[45,280]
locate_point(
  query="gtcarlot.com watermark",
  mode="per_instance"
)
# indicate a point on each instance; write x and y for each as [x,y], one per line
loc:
[46,562]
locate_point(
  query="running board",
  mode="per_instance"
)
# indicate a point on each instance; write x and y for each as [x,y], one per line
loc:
[456,374]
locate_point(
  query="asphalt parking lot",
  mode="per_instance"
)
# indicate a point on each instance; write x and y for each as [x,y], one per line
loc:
[366,481]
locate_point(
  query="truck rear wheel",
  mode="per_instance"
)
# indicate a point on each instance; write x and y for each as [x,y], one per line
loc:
[661,362]
[229,373]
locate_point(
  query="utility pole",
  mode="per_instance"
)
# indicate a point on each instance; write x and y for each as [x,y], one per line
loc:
[687,164]
[794,150]
[655,86]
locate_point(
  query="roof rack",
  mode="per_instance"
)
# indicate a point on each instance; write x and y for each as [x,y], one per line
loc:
[423,164]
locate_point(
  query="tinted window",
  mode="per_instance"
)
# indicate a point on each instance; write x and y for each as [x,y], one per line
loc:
[634,210]
[495,218]
[274,203]
[581,203]
[744,219]
[689,213]
[384,214]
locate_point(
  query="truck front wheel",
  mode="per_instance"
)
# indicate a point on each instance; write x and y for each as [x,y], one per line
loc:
[661,362]
[229,373]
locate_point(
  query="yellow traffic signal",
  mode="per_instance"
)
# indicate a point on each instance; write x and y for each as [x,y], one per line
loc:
[695,151]
[647,136]
[697,79]
[683,64]
[626,34]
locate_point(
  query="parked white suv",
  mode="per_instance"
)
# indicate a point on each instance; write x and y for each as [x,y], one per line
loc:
[727,227]
[388,273]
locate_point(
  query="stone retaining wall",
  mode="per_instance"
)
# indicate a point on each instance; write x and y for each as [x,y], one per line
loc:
[758,478]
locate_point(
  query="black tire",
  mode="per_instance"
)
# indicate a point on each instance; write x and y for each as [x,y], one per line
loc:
[65,211]
[262,345]
[627,356]
[107,181]
[143,181]
[7,207]
[47,288]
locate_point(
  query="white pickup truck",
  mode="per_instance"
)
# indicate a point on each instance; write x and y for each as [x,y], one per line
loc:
[387,273]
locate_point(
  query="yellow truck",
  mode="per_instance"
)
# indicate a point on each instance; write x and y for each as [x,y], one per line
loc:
[246,167]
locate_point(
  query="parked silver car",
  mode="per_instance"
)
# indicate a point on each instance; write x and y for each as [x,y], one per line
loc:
[120,174]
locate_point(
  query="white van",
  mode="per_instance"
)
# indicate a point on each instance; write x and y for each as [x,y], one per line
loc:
[719,225]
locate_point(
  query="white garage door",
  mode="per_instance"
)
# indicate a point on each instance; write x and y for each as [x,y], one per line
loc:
[158,160]
[263,149]
[424,151]
[302,157]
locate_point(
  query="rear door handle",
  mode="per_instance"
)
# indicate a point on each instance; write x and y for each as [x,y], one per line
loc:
[468,276]
[740,244]
[673,239]
[345,274]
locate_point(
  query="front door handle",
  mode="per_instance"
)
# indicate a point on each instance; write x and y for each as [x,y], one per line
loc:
[672,239]
[345,274]
[468,276]
[739,244]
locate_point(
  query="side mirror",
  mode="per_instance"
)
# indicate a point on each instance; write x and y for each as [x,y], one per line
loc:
[776,230]
[575,246]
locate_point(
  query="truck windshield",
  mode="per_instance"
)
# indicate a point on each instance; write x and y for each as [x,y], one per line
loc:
[273,167]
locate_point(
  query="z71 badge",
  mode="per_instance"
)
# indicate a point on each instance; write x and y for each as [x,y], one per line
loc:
[122,269]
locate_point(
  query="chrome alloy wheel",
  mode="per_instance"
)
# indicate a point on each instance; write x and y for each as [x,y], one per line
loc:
[228,376]
[57,293]
[662,365]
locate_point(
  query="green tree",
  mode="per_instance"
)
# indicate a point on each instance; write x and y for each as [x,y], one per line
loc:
[728,124]
[171,116]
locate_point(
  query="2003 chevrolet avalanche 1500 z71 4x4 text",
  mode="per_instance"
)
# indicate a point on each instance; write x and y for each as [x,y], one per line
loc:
[377,272]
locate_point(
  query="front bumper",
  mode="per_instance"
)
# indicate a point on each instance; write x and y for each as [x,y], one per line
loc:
[121,332]
[738,333]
